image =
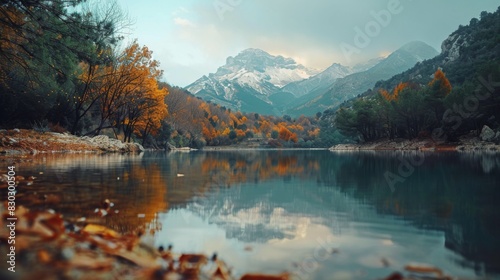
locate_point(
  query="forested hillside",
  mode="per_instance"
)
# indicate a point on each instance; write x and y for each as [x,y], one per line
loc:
[65,67]
[195,122]
[451,95]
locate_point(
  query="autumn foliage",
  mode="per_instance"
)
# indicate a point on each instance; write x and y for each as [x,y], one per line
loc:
[440,83]
[69,71]
[395,93]
[193,122]
[410,110]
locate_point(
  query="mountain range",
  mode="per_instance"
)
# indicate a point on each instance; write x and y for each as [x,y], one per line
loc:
[256,81]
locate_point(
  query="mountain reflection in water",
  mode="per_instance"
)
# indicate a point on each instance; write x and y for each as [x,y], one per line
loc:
[315,213]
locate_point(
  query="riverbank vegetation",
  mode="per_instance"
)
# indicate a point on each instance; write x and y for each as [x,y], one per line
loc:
[65,67]
[453,95]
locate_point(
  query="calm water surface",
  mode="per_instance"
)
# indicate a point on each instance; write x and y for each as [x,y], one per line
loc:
[272,211]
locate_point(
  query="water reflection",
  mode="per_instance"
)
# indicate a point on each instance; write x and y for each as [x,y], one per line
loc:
[442,213]
[275,210]
[76,185]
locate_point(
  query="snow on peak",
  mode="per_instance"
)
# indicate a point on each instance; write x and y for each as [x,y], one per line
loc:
[257,69]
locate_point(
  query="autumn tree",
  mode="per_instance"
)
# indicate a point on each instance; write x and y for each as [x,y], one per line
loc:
[437,90]
[440,86]
[395,93]
[112,21]
[146,106]
[41,45]
[129,98]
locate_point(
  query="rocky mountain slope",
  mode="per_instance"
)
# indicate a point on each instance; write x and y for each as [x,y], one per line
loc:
[352,85]
[255,81]
[247,80]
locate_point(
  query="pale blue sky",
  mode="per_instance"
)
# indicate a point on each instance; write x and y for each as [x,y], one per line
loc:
[192,38]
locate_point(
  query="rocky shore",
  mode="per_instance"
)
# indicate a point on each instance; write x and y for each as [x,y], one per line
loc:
[486,141]
[22,141]
[467,145]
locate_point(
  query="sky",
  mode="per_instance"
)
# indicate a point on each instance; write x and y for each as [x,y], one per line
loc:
[191,38]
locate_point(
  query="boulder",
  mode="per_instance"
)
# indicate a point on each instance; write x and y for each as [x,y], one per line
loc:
[497,138]
[134,147]
[487,134]
[105,143]
[170,147]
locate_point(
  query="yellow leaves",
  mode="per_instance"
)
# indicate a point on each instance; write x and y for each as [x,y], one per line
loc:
[286,135]
[132,83]
[441,83]
[395,93]
[204,107]
[400,87]
[100,230]
[240,133]
[207,133]
[314,132]
[226,131]
[296,127]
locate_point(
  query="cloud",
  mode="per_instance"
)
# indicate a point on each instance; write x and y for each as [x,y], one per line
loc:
[195,35]
[182,22]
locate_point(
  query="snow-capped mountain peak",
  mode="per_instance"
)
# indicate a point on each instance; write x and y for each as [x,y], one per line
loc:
[256,69]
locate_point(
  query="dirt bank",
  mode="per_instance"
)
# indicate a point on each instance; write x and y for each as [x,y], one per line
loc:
[22,141]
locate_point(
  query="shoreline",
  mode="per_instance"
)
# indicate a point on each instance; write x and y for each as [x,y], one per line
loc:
[236,148]
[17,142]
[466,144]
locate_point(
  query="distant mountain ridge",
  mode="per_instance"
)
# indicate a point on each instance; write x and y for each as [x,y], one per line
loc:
[256,81]
[319,81]
[247,80]
[466,52]
[352,85]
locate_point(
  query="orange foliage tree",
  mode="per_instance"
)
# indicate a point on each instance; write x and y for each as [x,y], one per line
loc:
[129,96]
[395,93]
[286,135]
[440,85]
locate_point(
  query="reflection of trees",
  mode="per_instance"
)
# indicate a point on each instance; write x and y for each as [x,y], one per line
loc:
[237,168]
[449,192]
[76,185]
[453,193]
[212,170]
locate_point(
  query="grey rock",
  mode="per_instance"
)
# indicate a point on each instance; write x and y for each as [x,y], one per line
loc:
[487,134]
[140,147]
[107,144]
[496,139]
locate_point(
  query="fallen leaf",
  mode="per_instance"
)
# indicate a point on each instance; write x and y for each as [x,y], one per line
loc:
[43,256]
[100,230]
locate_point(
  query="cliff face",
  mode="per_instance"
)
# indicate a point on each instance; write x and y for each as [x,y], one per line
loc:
[450,48]
[470,51]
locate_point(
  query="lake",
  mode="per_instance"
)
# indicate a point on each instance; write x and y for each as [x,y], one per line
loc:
[317,214]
